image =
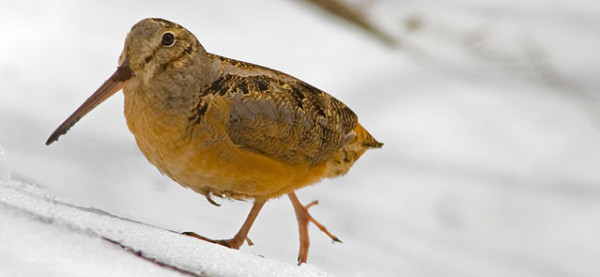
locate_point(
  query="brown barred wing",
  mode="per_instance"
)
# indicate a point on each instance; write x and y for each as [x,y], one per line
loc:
[284,118]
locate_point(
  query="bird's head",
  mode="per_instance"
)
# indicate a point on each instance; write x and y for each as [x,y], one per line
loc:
[153,46]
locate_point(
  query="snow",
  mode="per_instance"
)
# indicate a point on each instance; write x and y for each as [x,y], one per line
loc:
[488,112]
[43,233]
[4,165]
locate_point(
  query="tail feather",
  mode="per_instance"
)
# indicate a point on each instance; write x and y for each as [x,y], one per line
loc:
[366,139]
[343,159]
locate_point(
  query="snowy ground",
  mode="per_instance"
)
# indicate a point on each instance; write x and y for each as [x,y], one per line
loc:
[489,112]
[45,235]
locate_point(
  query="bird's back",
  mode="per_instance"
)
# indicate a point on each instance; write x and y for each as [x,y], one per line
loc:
[284,118]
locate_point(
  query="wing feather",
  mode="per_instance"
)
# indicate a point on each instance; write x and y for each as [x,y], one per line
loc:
[284,118]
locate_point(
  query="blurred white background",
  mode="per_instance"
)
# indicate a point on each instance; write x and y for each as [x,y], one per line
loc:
[488,110]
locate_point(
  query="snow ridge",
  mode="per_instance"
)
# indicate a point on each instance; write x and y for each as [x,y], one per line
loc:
[57,237]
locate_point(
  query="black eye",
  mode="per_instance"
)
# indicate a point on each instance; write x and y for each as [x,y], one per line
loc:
[168,39]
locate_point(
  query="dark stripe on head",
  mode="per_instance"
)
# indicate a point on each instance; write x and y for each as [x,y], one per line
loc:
[167,23]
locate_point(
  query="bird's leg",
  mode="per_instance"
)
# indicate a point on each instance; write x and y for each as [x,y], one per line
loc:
[242,234]
[304,217]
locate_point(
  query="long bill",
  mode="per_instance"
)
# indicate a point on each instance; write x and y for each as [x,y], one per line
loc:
[114,83]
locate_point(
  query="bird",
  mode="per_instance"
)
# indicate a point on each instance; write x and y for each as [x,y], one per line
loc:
[226,128]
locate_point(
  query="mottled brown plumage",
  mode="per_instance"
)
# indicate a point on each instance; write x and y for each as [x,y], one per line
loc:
[227,128]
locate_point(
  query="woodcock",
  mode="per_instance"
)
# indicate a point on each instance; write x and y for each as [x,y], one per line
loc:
[228,128]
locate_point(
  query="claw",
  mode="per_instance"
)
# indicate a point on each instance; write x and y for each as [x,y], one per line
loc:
[249,241]
[210,200]
[313,203]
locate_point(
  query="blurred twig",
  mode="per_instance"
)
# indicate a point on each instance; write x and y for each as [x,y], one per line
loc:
[355,16]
